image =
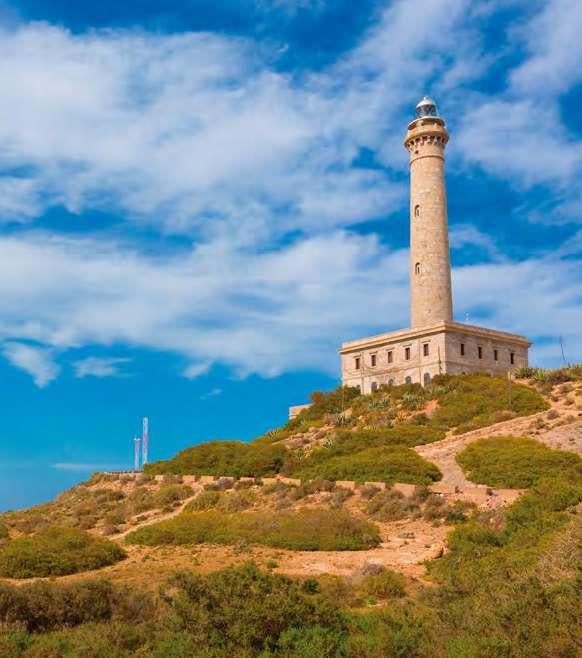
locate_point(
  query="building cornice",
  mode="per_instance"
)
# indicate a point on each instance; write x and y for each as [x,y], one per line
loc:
[380,340]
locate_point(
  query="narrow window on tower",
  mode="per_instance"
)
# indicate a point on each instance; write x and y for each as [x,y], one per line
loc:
[496,355]
[390,356]
[480,352]
[512,358]
[373,360]
[462,349]
[407,353]
[417,211]
[417,269]
[426,378]
[357,363]
[425,349]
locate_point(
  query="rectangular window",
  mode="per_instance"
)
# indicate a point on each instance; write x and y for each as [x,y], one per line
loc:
[373,360]
[407,353]
[390,356]
[480,352]
[496,355]
[425,349]
[357,363]
[462,349]
[512,358]
[374,387]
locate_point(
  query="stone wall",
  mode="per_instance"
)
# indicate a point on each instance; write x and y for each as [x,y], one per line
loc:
[480,494]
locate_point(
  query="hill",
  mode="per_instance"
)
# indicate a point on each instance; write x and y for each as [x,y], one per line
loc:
[412,522]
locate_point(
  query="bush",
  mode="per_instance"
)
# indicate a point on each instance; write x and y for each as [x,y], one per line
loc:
[43,606]
[390,506]
[491,600]
[236,501]
[229,458]
[171,493]
[303,530]
[392,463]
[471,401]
[245,611]
[515,462]
[56,551]
[205,500]
[385,585]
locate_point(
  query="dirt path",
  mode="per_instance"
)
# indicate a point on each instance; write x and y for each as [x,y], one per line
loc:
[156,518]
[550,431]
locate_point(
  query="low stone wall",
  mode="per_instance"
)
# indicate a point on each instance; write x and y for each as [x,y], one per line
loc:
[481,495]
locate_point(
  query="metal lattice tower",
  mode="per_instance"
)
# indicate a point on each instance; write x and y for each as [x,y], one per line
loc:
[136,443]
[145,441]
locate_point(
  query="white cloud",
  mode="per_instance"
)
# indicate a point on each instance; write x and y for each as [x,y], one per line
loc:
[554,47]
[36,361]
[211,394]
[270,313]
[198,135]
[191,131]
[99,366]
[519,134]
[195,370]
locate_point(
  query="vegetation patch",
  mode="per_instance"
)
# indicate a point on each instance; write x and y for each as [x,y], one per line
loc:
[43,606]
[468,402]
[515,462]
[385,585]
[303,530]
[56,551]
[228,458]
[491,600]
[390,463]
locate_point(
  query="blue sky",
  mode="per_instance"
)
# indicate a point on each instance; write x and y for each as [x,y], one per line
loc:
[198,204]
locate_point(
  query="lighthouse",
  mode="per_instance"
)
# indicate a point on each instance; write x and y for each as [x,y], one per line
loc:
[434,343]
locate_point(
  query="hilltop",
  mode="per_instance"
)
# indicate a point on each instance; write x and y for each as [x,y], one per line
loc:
[397,523]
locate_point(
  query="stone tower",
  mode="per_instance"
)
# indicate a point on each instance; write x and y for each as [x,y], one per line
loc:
[434,343]
[431,298]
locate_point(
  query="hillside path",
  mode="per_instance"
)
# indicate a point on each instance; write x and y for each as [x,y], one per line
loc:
[156,518]
[443,453]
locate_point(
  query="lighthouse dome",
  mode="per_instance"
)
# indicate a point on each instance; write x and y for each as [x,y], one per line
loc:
[427,107]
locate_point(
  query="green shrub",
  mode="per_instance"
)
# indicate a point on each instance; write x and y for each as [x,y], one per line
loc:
[569,373]
[205,500]
[228,458]
[470,401]
[384,585]
[171,493]
[332,402]
[236,501]
[4,532]
[391,463]
[56,551]
[491,600]
[43,606]
[303,530]
[390,506]
[245,611]
[515,462]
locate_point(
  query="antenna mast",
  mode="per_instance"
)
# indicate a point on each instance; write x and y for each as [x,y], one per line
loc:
[145,441]
[136,443]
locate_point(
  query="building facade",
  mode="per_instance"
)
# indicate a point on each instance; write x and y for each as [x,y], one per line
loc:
[435,343]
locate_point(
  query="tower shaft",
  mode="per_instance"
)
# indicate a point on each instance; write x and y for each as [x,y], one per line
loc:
[430,265]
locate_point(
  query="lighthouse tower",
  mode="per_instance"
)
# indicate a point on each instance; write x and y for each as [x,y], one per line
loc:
[431,298]
[434,343]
